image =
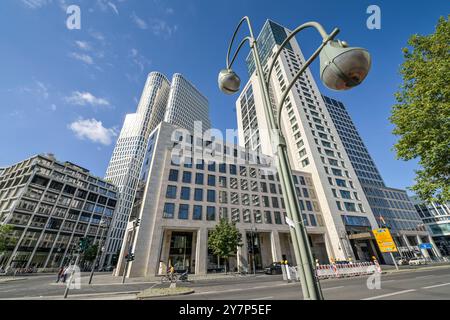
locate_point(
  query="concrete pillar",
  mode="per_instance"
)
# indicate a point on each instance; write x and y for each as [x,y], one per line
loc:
[436,250]
[275,245]
[201,252]
[424,251]
[242,253]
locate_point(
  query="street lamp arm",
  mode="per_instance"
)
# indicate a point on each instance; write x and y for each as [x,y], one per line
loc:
[325,36]
[251,39]
[237,50]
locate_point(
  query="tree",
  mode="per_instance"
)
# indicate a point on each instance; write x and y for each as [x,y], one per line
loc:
[422,113]
[90,253]
[224,240]
[5,237]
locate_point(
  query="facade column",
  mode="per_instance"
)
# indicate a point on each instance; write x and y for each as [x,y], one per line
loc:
[275,245]
[201,252]
[242,253]
[436,250]
[424,251]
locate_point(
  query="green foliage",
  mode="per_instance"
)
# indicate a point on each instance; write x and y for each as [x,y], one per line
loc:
[224,239]
[90,253]
[5,237]
[422,113]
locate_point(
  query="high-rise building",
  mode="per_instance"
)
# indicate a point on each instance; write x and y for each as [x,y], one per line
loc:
[180,103]
[51,205]
[181,199]
[392,207]
[186,105]
[126,161]
[436,217]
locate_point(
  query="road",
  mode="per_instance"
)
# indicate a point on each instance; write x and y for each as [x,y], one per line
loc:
[424,283]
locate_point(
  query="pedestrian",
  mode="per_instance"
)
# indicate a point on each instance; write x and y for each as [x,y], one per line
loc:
[60,274]
[65,273]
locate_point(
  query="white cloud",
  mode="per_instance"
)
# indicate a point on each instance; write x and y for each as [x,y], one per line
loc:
[38,89]
[113,7]
[141,24]
[162,28]
[92,130]
[139,60]
[85,98]
[82,57]
[83,45]
[36,4]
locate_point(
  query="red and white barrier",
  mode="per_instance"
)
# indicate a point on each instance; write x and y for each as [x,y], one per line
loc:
[347,270]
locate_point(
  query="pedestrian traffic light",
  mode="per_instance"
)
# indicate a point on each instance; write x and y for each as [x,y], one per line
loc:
[129,257]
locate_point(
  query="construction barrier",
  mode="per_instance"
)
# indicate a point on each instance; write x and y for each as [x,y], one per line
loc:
[347,270]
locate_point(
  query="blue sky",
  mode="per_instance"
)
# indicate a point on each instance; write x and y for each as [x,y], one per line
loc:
[67,91]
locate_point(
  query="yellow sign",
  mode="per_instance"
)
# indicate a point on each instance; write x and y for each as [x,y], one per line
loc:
[384,240]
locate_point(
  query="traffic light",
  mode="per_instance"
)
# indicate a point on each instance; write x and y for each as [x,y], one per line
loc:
[137,222]
[129,257]
[83,244]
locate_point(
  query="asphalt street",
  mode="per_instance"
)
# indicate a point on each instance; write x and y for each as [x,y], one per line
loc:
[424,283]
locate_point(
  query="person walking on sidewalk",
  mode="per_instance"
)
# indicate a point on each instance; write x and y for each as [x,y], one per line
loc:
[60,274]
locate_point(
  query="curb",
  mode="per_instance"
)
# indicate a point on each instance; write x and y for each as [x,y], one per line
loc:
[11,280]
[167,295]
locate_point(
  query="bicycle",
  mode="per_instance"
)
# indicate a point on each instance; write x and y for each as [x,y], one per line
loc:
[169,278]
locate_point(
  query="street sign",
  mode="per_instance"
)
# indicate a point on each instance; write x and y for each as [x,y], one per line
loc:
[425,246]
[384,240]
[290,222]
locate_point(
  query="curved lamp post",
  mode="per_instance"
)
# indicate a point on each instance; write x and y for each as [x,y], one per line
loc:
[341,68]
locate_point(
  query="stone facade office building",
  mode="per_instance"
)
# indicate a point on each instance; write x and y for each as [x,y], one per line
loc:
[51,205]
[180,202]
[177,102]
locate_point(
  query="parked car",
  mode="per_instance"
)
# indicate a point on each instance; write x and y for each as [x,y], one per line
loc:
[417,261]
[402,261]
[274,268]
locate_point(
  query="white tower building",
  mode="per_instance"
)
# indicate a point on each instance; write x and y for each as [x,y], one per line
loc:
[314,145]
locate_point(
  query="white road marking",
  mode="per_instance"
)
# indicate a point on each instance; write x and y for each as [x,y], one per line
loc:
[389,294]
[437,285]
[331,288]
[263,298]
[421,277]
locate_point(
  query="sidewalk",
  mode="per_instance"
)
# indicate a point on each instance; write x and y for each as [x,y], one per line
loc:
[430,266]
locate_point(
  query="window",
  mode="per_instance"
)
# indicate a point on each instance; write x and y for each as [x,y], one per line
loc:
[273,188]
[199,178]
[198,194]
[187,177]
[350,206]
[309,206]
[267,217]
[200,165]
[173,175]
[223,197]
[212,167]
[235,215]
[211,196]
[171,192]
[275,202]
[185,193]
[223,213]
[169,210]
[278,217]
[211,180]
[345,194]
[263,187]
[338,203]
[197,214]
[265,201]
[341,183]
[223,182]
[246,215]
[183,211]
[305,193]
[233,169]
[258,216]
[211,213]
[223,168]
